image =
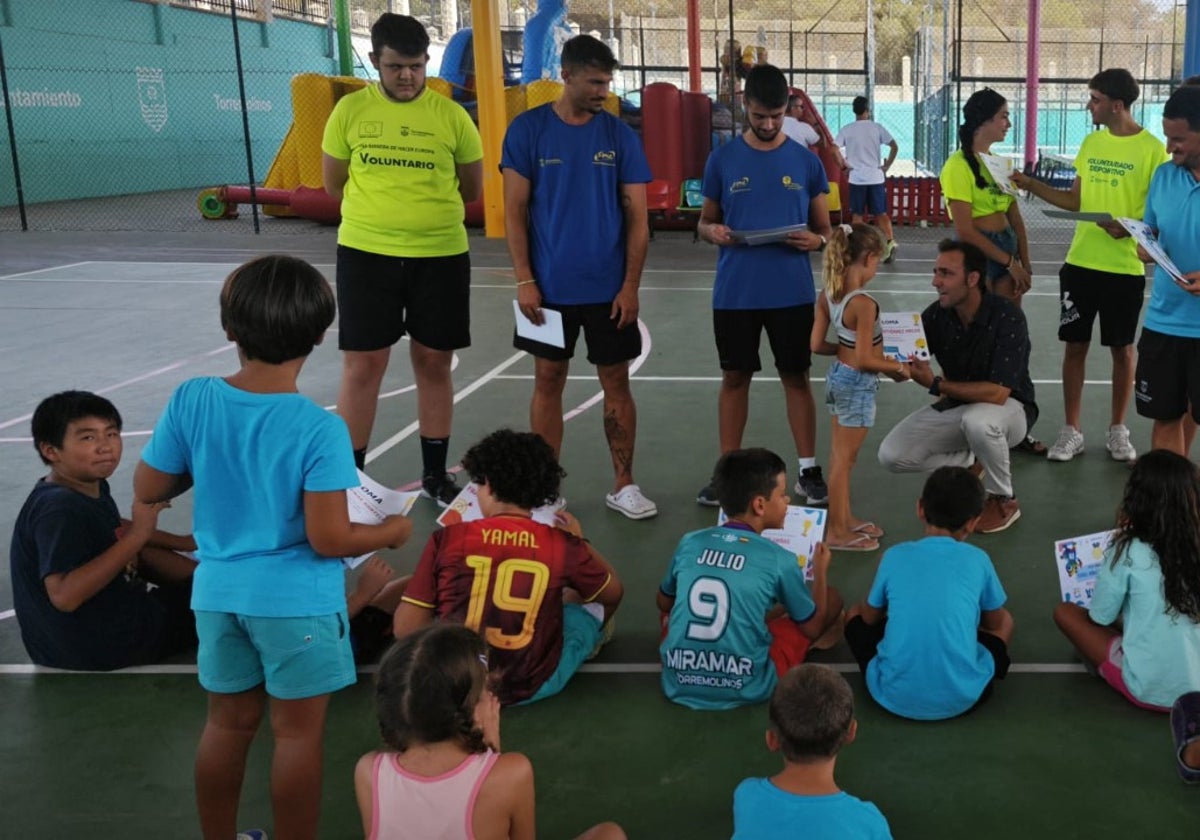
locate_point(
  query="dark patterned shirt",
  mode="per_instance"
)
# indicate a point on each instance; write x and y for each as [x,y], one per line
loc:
[994,347]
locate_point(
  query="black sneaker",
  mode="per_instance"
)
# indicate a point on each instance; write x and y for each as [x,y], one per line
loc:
[812,487]
[440,488]
[708,497]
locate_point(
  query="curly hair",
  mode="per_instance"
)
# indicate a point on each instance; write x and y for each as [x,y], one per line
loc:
[428,686]
[519,467]
[1161,507]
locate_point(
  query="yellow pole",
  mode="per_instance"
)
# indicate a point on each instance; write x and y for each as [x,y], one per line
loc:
[489,87]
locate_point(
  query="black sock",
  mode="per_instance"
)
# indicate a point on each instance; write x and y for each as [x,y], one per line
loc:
[360,458]
[433,456]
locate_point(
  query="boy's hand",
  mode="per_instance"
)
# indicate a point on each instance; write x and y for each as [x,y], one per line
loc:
[487,718]
[398,529]
[145,520]
[568,523]
[374,576]
[820,558]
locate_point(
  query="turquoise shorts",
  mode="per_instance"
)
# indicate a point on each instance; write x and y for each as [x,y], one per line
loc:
[581,633]
[296,658]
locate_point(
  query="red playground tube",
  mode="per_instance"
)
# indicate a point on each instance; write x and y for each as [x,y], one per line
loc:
[306,202]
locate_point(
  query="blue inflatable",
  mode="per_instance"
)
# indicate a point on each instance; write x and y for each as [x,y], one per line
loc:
[545,34]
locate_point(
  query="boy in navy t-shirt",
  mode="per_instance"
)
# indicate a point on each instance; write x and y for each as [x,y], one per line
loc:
[79,571]
[762,181]
[933,636]
[812,718]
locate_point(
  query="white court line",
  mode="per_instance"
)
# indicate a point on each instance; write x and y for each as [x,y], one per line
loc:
[40,270]
[140,377]
[458,396]
[7,614]
[590,668]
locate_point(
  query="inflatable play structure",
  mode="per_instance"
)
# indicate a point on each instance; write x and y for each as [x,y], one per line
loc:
[676,128]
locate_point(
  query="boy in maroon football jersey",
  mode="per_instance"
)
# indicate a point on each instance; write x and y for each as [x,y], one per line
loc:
[540,596]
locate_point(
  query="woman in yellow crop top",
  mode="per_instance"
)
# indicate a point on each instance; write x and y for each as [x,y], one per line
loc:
[983,214]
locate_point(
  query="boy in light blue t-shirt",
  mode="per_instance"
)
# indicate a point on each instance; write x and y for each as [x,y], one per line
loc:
[738,611]
[270,470]
[933,636]
[812,718]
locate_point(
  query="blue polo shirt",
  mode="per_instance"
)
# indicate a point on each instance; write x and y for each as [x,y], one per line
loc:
[758,190]
[1173,207]
[576,223]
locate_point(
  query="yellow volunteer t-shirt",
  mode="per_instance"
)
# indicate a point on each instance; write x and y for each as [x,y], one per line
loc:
[958,184]
[1114,177]
[401,199]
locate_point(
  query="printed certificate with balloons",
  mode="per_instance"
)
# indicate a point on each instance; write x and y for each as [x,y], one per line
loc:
[1078,560]
[803,528]
[904,336]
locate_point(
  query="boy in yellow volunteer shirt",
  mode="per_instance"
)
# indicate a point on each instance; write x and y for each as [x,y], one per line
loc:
[403,160]
[1102,274]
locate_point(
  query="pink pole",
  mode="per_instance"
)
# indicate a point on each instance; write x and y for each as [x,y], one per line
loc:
[693,43]
[1033,49]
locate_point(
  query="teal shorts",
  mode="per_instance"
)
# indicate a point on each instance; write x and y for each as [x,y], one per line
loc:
[296,658]
[582,631]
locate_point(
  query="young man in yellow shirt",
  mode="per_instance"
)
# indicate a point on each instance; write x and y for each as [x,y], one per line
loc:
[1102,274]
[403,160]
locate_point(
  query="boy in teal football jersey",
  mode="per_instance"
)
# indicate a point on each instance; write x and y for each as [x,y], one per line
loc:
[737,610]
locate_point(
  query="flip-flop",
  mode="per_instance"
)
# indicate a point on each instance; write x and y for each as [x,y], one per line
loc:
[860,543]
[869,529]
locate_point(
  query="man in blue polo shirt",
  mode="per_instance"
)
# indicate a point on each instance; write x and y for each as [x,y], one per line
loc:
[560,160]
[1167,380]
[760,181]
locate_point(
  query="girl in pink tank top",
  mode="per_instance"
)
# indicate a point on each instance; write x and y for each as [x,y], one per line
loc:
[442,776]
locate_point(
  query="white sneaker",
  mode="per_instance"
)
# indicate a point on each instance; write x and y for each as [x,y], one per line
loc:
[1069,444]
[1118,444]
[630,502]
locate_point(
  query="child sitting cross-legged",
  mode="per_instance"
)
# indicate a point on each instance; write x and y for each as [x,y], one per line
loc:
[932,636]
[737,609]
[812,718]
[540,595]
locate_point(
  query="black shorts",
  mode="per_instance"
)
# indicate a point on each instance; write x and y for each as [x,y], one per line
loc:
[789,330]
[606,345]
[863,640]
[380,298]
[179,631]
[370,635]
[1084,292]
[1167,379]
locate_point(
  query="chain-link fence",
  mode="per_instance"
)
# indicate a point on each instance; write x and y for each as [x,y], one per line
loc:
[155,103]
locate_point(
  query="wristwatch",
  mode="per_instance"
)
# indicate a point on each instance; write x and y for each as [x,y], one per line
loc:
[935,387]
[824,242]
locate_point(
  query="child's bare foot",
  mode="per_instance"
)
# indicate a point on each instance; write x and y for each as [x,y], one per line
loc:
[832,635]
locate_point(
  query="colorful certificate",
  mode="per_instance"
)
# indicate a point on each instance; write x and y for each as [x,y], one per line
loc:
[904,336]
[370,503]
[465,508]
[803,528]
[1078,560]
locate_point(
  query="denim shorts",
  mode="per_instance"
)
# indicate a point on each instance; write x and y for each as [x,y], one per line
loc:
[1006,241]
[296,658]
[850,395]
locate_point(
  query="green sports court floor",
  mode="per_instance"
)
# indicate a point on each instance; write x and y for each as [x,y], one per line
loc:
[1055,753]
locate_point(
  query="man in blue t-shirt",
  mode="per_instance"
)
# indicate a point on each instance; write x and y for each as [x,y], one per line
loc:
[560,160]
[1167,380]
[933,634]
[737,610]
[758,182]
